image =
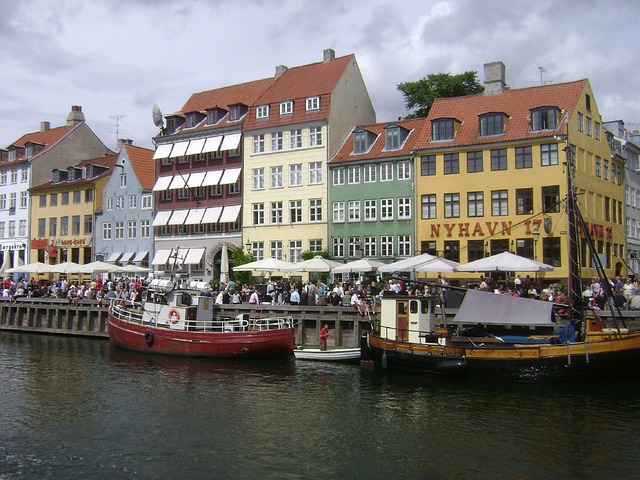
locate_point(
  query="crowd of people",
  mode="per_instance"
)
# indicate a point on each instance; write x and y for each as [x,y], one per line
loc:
[361,296]
[122,289]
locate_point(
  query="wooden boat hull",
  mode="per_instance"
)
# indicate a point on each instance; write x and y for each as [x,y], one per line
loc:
[605,357]
[145,338]
[334,355]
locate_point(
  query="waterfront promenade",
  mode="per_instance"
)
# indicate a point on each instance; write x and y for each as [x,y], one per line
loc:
[89,319]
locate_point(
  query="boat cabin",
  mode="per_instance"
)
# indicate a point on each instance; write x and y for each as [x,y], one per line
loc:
[408,318]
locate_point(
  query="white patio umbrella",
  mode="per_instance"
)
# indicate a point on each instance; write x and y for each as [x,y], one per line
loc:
[97,267]
[407,264]
[505,262]
[439,265]
[315,264]
[131,269]
[224,264]
[264,265]
[35,267]
[358,266]
[65,267]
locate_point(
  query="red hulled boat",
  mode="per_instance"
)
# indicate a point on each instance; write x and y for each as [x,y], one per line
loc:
[178,319]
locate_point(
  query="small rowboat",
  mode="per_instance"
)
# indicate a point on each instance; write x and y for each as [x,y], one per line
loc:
[334,355]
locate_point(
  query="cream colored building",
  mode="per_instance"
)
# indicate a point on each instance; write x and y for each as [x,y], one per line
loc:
[291,131]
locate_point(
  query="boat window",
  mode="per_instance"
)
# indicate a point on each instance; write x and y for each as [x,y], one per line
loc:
[186,299]
[402,308]
[413,306]
[425,306]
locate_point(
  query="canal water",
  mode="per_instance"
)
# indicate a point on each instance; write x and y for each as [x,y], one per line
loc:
[77,408]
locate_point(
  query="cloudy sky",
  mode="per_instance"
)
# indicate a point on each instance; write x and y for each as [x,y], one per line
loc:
[117,58]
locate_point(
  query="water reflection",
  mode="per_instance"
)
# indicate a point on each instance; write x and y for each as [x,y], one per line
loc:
[79,408]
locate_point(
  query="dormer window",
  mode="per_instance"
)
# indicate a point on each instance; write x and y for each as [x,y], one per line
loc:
[286,108]
[362,141]
[13,154]
[28,152]
[544,118]
[313,103]
[89,171]
[491,124]
[215,115]
[262,111]
[392,138]
[442,129]
[56,176]
[236,112]
[190,121]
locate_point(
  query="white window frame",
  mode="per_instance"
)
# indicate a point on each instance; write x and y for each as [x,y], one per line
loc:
[386,209]
[277,177]
[257,179]
[286,108]
[262,111]
[295,175]
[386,172]
[313,103]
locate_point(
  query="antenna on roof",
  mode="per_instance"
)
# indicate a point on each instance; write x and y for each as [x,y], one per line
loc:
[542,70]
[158,119]
[117,119]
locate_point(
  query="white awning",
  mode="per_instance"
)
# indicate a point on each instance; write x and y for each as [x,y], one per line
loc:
[178,217]
[193,256]
[212,144]
[113,257]
[195,179]
[127,256]
[179,181]
[140,256]
[212,178]
[230,214]
[162,151]
[161,218]
[162,184]
[195,216]
[211,215]
[161,257]
[230,176]
[195,146]
[179,149]
[230,142]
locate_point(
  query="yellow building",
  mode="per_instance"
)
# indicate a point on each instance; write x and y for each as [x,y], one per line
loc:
[63,212]
[493,177]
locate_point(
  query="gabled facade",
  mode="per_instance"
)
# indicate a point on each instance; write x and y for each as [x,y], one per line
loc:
[627,144]
[371,192]
[198,188]
[291,131]
[28,161]
[123,230]
[63,211]
[492,176]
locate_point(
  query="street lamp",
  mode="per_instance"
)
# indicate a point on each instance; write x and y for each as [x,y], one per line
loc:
[536,236]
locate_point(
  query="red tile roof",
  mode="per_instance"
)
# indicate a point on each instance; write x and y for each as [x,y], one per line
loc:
[416,126]
[244,93]
[297,84]
[48,138]
[108,161]
[515,104]
[143,165]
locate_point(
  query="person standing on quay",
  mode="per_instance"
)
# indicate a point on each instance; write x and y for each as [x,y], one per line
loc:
[324,334]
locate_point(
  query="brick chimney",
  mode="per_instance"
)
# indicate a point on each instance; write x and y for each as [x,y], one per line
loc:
[124,141]
[494,78]
[44,126]
[75,116]
[280,69]
[329,55]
